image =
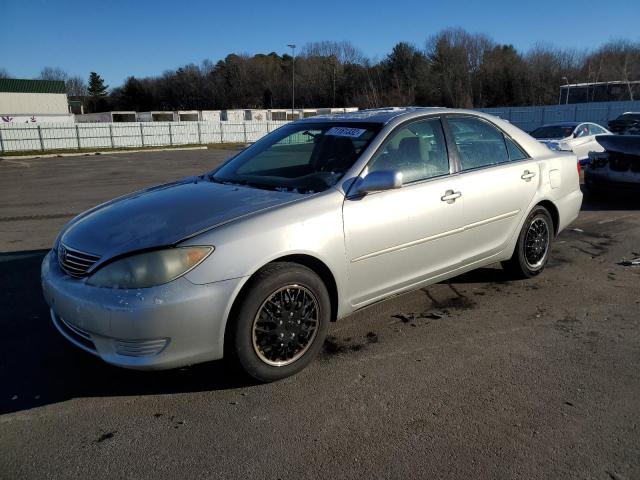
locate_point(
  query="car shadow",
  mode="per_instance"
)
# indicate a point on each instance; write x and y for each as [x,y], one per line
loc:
[38,367]
[492,274]
[604,200]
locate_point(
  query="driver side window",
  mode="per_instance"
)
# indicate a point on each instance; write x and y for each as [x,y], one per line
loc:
[418,150]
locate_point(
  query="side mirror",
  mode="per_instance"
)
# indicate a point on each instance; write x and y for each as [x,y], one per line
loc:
[380,180]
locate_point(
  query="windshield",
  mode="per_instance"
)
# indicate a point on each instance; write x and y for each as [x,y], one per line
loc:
[553,131]
[300,157]
[629,116]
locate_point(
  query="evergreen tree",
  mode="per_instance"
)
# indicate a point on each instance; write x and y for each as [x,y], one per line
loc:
[97,88]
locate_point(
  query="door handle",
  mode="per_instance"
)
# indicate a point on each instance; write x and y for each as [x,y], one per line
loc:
[527,175]
[450,196]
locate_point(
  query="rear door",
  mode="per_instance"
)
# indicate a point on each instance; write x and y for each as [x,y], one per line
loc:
[497,181]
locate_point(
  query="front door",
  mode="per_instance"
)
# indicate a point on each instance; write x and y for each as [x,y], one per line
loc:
[399,238]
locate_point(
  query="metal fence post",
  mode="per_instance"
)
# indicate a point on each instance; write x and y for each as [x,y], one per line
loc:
[244,126]
[40,137]
[199,134]
[78,136]
[268,129]
[1,142]
[141,134]
[111,135]
[170,135]
[221,133]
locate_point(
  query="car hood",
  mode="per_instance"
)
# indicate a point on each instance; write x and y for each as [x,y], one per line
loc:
[164,215]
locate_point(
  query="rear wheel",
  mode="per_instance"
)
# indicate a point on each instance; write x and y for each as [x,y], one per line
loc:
[534,244]
[281,323]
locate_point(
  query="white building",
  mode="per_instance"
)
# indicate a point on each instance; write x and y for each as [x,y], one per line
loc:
[256,115]
[235,116]
[187,115]
[210,115]
[33,101]
[156,116]
[106,117]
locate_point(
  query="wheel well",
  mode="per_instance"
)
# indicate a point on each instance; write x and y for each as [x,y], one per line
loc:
[553,211]
[318,267]
[323,272]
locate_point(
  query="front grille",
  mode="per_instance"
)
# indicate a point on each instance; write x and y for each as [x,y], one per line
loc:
[74,262]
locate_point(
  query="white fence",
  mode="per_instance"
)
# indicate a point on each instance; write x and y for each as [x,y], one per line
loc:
[52,136]
[530,118]
[59,136]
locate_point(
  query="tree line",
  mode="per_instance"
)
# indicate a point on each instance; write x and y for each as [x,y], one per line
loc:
[454,68]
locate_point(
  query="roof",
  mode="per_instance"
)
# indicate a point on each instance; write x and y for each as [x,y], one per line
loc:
[17,85]
[374,115]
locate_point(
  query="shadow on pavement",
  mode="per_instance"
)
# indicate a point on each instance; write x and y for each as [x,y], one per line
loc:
[603,200]
[39,367]
[482,275]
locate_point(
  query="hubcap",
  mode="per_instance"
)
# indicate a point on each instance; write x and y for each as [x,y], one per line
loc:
[286,325]
[536,243]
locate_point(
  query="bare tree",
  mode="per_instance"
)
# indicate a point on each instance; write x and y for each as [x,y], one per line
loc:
[4,73]
[457,68]
[76,87]
[53,73]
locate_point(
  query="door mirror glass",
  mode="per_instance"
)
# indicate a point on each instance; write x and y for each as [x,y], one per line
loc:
[380,180]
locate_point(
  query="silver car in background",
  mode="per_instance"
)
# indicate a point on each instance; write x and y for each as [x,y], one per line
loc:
[318,219]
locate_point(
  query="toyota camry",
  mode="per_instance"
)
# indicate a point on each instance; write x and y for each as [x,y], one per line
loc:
[320,218]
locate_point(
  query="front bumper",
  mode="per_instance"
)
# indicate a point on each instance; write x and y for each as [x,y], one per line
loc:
[162,327]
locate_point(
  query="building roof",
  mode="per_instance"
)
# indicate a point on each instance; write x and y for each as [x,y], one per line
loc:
[18,85]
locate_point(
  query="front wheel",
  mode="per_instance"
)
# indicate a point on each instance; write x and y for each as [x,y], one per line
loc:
[534,244]
[281,322]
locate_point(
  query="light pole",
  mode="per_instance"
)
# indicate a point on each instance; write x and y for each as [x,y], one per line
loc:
[568,87]
[333,63]
[292,46]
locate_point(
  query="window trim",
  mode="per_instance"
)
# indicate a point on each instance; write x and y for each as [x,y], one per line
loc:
[454,147]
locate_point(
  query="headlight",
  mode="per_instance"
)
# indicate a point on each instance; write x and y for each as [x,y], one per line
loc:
[149,269]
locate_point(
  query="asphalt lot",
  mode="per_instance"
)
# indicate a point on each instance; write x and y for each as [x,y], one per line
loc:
[510,379]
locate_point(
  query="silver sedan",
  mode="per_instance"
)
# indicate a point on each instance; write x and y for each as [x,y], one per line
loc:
[318,219]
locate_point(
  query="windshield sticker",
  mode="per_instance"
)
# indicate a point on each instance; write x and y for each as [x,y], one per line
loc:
[345,132]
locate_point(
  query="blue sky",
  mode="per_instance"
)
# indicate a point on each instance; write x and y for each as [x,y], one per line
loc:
[143,38]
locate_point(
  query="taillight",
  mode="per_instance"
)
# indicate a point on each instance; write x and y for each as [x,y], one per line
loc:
[578,167]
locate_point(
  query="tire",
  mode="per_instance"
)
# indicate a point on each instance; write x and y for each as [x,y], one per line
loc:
[275,333]
[534,245]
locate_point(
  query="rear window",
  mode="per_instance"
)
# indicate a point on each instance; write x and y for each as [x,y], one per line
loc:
[479,143]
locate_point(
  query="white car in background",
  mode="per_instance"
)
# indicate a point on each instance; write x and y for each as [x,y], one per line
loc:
[576,137]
